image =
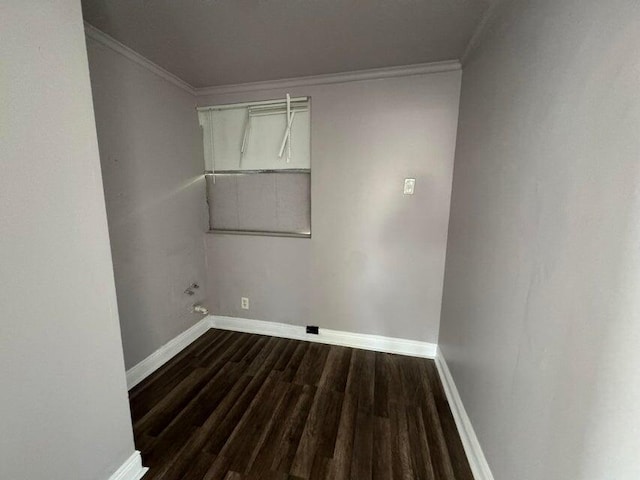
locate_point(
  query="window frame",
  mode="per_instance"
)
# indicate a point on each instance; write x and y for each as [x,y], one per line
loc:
[213,172]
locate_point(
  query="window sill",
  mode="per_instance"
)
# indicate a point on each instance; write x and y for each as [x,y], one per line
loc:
[258,233]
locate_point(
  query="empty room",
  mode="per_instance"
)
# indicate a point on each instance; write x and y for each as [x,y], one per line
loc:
[319,240]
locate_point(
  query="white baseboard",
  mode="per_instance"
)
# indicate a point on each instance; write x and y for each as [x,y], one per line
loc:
[165,353]
[378,343]
[132,469]
[475,455]
[332,337]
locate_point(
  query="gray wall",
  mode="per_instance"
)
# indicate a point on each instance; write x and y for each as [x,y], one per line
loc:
[541,317]
[151,155]
[375,261]
[63,408]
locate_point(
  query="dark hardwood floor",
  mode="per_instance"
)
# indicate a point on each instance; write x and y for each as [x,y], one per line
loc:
[238,406]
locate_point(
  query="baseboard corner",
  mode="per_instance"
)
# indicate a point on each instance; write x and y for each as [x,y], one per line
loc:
[472,448]
[131,469]
[146,367]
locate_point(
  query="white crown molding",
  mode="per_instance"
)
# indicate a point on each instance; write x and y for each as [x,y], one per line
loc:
[332,337]
[110,42]
[131,469]
[373,74]
[165,353]
[472,448]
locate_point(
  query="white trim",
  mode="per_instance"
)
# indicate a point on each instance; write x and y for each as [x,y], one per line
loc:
[146,367]
[165,353]
[131,469]
[475,455]
[373,74]
[332,337]
[110,42]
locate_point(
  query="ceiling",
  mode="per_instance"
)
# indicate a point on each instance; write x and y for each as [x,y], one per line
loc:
[221,42]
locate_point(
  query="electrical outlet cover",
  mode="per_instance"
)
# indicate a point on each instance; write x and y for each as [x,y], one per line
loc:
[409,186]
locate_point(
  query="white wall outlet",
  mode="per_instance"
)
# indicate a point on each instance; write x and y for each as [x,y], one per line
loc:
[244,303]
[409,186]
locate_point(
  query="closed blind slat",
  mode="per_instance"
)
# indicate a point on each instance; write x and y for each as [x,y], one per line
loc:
[271,202]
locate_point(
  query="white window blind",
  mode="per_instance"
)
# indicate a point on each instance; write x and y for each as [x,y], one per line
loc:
[258,166]
[250,136]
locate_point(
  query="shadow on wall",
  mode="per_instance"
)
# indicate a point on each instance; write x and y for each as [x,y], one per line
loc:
[151,159]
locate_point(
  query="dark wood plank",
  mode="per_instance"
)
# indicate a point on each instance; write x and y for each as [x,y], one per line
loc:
[256,348]
[362,455]
[219,469]
[293,364]
[244,443]
[267,358]
[233,476]
[182,427]
[341,467]
[321,468]
[199,467]
[382,462]
[401,452]
[312,365]
[286,355]
[154,421]
[285,455]
[236,406]
[420,456]
[195,445]
[221,435]
[281,418]
[329,427]
[319,432]
[438,448]
[336,369]
[153,383]
[459,462]
[381,386]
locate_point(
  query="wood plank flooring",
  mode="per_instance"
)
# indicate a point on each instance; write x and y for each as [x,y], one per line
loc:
[235,406]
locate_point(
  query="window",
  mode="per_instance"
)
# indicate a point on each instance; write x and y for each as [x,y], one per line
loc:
[258,166]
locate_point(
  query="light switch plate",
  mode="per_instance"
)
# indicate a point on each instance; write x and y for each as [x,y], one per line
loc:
[409,186]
